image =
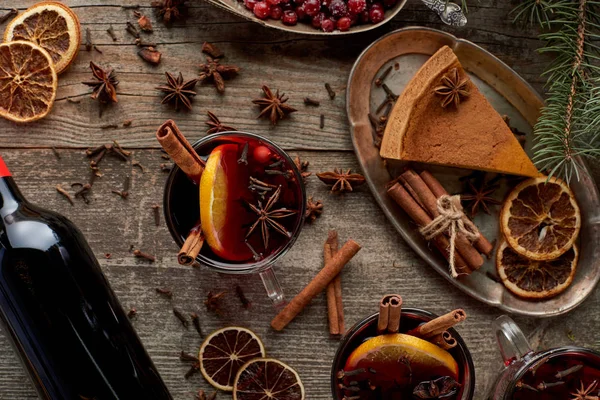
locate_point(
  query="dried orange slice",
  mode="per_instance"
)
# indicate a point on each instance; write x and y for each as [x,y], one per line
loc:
[540,218]
[225,351]
[27,81]
[267,378]
[52,26]
[535,279]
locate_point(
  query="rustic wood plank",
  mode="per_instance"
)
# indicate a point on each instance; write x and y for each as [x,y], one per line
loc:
[386,264]
[306,65]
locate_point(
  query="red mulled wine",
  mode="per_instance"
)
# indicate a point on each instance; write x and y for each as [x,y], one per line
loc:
[248,200]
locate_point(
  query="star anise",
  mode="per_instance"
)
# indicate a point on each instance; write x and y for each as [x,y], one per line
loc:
[313,209]
[178,91]
[169,10]
[267,218]
[215,124]
[585,393]
[441,388]
[273,105]
[212,70]
[302,167]
[452,88]
[104,84]
[479,195]
[341,181]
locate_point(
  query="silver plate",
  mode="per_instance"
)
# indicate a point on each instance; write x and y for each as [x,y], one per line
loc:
[510,95]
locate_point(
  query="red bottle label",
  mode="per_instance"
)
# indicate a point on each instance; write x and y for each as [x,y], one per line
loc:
[4,169]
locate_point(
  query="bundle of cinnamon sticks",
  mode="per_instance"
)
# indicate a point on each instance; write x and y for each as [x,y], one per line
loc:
[417,194]
[183,154]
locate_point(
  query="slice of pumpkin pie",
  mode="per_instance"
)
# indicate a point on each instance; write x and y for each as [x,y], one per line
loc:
[442,118]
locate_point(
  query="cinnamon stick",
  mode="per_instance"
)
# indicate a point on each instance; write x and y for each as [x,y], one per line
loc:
[337,283]
[180,150]
[482,244]
[192,246]
[384,314]
[335,308]
[317,285]
[395,314]
[471,256]
[421,218]
[440,324]
[445,340]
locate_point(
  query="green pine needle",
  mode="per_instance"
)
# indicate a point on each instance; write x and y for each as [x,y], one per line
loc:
[569,124]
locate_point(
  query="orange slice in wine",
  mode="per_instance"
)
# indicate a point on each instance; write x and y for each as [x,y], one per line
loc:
[225,351]
[52,26]
[221,207]
[397,359]
[267,378]
[27,81]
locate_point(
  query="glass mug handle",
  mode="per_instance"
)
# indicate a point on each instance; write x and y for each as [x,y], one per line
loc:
[272,286]
[512,342]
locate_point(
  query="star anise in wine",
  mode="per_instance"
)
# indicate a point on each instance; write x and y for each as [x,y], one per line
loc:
[215,125]
[267,218]
[313,209]
[212,70]
[302,167]
[585,393]
[273,105]
[342,181]
[169,10]
[177,91]
[479,195]
[104,84]
[452,88]
[441,388]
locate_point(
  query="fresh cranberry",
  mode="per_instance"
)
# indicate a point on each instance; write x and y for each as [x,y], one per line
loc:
[262,154]
[327,25]
[289,18]
[317,19]
[343,24]
[338,8]
[287,7]
[357,6]
[300,12]
[312,7]
[377,5]
[364,17]
[250,4]
[376,15]
[325,3]
[261,10]
[276,12]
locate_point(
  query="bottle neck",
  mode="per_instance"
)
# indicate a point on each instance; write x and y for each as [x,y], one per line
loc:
[10,196]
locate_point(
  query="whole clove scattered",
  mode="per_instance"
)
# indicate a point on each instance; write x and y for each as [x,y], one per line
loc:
[330,91]
[165,292]
[140,254]
[322,121]
[55,152]
[196,323]
[379,81]
[183,356]
[66,194]
[179,315]
[111,33]
[139,165]
[242,296]
[156,213]
[132,30]
[310,102]
[132,312]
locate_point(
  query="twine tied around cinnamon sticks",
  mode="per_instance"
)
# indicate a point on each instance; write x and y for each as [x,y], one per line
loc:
[451,218]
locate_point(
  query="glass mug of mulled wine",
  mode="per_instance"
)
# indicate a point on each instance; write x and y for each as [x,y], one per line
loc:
[251,202]
[416,370]
[562,373]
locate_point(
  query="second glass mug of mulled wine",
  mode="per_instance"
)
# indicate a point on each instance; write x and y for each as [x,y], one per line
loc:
[409,371]
[251,202]
[567,372]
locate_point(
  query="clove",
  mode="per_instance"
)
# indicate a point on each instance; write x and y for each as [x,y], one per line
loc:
[140,254]
[56,153]
[196,323]
[132,30]
[330,91]
[244,156]
[156,212]
[242,296]
[165,292]
[181,317]
[379,81]
[66,194]
[568,371]
[132,312]
[310,102]
[111,33]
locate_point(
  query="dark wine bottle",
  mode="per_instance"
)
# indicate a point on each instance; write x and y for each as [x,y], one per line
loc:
[58,309]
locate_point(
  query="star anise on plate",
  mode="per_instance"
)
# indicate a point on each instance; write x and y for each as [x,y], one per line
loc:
[212,70]
[313,209]
[169,10]
[342,181]
[215,125]
[585,393]
[267,218]
[177,91]
[104,84]
[302,167]
[441,388]
[452,88]
[273,105]
[479,195]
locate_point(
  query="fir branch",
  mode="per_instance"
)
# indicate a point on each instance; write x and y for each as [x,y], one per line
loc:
[569,123]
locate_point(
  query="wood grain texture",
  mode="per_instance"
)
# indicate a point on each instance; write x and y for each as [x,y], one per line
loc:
[298,66]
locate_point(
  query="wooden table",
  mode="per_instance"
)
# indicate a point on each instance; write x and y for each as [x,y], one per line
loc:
[298,66]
